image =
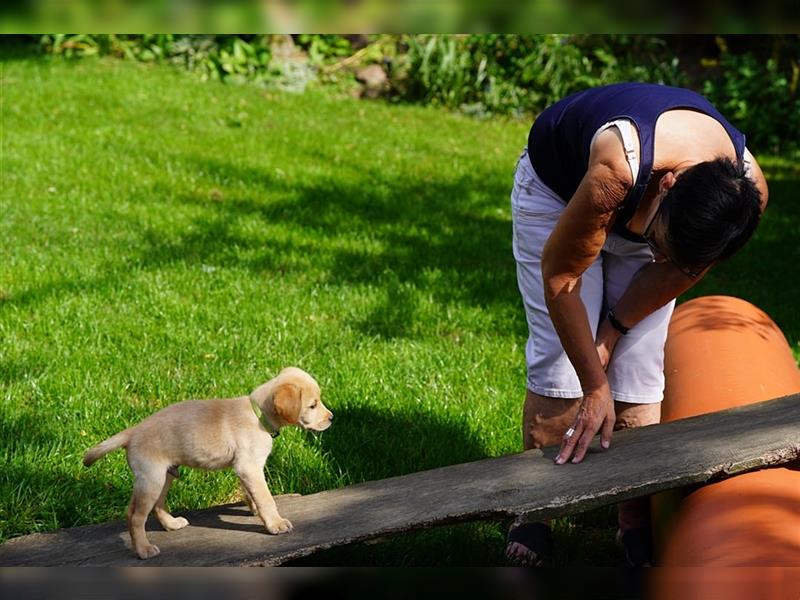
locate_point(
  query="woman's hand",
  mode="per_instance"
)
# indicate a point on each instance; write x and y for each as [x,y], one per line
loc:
[597,407]
[595,414]
[606,341]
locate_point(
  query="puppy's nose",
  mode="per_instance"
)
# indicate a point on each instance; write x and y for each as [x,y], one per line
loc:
[330,416]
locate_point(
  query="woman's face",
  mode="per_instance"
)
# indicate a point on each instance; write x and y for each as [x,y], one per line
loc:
[657,237]
[655,232]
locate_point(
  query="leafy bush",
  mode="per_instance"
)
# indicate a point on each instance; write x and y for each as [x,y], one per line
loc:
[235,59]
[760,97]
[322,48]
[512,74]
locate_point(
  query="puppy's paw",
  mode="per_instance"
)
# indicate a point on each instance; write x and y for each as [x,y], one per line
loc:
[279,525]
[149,551]
[176,523]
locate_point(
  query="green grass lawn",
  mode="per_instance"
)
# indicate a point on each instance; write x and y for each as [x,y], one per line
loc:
[165,239]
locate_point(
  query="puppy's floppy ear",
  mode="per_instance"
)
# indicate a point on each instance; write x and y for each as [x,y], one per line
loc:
[287,402]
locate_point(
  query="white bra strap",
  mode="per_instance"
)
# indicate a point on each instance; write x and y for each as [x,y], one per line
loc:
[748,167]
[625,128]
[626,131]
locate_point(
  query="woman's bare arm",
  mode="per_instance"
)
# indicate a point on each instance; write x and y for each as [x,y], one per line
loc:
[574,244]
[652,288]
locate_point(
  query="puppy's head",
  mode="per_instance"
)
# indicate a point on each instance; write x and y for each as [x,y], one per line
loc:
[296,400]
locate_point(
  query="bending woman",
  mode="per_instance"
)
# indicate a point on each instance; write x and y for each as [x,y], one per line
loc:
[623,199]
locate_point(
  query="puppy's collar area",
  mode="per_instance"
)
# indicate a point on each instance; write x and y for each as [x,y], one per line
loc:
[271,429]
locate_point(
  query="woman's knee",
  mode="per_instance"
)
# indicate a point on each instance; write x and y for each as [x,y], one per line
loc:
[636,415]
[545,419]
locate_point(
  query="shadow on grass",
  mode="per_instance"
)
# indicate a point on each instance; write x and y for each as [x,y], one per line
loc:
[446,239]
[12,371]
[371,445]
[444,230]
[41,494]
[450,227]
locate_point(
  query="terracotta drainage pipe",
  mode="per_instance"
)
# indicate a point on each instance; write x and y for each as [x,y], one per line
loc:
[723,352]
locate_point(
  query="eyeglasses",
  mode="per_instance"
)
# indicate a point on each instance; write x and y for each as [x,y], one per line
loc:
[692,272]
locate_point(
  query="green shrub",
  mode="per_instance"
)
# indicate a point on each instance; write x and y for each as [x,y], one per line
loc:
[235,59]
[324,48]
[760,98]
[509,74]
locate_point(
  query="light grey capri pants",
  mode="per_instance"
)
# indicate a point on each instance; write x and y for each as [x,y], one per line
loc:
[636,369]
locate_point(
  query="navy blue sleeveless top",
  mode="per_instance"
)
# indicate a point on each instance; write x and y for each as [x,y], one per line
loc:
[559,140]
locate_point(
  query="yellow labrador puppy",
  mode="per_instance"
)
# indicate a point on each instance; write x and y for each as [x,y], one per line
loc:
[213,434]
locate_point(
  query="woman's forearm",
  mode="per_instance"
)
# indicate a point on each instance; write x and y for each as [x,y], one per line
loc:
[652,288]
[571,322]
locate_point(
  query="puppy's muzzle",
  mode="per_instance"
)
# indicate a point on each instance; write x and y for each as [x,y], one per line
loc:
[324,423]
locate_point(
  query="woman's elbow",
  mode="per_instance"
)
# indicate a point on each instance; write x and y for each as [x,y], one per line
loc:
[559,276]
[556,284]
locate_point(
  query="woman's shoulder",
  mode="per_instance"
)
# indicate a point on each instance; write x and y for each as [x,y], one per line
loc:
[684,137]
[608,151]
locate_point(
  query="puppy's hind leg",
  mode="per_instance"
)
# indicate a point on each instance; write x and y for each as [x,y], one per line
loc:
[167,521]
[147,487]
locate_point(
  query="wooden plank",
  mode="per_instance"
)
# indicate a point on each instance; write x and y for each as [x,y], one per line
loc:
[640,462]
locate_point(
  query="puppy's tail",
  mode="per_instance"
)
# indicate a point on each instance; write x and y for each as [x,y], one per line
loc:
[103,448]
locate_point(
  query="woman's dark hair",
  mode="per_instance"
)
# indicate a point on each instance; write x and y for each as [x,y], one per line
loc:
[711,211]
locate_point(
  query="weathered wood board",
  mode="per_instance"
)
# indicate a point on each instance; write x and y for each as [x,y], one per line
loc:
[640,462]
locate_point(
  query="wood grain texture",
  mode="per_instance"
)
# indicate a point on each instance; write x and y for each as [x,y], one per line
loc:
[641,461]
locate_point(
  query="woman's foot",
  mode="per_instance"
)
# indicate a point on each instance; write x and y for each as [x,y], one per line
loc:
[529,544]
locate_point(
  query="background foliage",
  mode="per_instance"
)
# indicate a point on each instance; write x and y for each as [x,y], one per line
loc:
[752,79]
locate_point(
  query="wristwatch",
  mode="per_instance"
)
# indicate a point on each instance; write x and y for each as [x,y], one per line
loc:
[616,324]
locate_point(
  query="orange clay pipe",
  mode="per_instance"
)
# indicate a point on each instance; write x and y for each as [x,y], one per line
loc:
[723,352]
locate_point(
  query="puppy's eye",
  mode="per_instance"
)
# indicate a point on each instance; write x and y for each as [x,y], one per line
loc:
[313,404]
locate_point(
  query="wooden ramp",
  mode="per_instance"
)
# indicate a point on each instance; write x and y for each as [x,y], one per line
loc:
[640,461]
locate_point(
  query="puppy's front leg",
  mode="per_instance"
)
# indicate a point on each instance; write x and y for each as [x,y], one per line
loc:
[248,500]
[252,478]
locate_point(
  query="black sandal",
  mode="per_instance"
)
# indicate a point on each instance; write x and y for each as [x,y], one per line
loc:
[535,540]
[638,544]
